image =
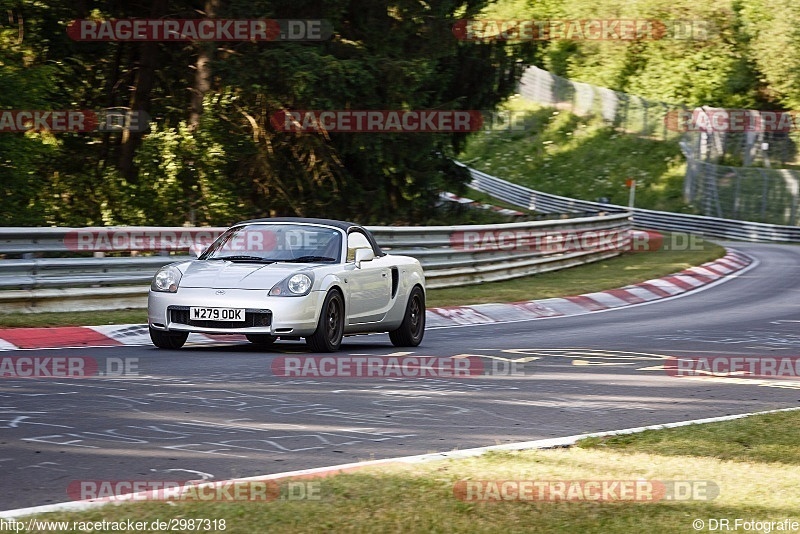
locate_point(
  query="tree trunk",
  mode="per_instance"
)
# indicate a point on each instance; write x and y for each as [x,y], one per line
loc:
[202,73]
[140,100]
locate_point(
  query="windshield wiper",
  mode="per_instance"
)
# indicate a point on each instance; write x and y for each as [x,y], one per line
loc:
[309,259]
[256,259]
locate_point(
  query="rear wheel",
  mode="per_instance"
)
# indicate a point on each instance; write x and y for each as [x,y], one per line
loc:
[168,340]
[330,327]
[412,329]
[261,339]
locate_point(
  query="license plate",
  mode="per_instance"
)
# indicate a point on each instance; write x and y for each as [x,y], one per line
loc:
[216,314]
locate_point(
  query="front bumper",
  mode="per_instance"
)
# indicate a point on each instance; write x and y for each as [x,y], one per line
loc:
[288,316]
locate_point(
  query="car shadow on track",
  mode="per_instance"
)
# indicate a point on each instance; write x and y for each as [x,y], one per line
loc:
[291,347]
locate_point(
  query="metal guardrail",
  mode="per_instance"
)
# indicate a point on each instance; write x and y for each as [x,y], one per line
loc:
[525,197]
[449,262]
[435,247]
[498,252]
[33,240]
[649,219]
[80,272]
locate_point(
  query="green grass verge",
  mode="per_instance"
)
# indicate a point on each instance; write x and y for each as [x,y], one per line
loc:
[420,497]
[768,438]
[581,157]
[92,318]
[608,274]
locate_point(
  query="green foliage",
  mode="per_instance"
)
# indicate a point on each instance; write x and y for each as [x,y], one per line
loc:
[722,66]
[404,57]
[233,164]
[581,157]
[22,156]
[181,177]
[773,42]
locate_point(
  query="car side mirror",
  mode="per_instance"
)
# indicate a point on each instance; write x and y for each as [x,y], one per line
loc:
[364,254]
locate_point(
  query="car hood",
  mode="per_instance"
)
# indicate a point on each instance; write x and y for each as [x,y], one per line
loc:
[219,274]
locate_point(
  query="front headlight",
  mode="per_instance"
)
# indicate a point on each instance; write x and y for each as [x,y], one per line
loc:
[299,284]
[296,285]
[166,280]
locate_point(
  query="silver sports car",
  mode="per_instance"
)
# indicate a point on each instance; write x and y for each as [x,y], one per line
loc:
[289,278]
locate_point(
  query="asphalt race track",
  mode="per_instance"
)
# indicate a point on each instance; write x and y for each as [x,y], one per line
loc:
[219,411]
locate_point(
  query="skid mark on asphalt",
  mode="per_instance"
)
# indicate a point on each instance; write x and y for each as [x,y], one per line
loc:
[600,407]
[586,354]
[615,358]
[45,465]
[760,337]
[203,475]
[428,389]
[590,363]
[494,357]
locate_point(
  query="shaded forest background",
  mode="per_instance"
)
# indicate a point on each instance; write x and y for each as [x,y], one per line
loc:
[211,156]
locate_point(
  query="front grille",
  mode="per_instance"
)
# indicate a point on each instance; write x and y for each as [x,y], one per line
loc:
[252,318]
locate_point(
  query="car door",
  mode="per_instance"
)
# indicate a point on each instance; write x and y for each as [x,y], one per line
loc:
[369,285]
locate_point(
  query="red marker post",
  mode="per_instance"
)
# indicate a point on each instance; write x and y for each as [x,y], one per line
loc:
[630,183]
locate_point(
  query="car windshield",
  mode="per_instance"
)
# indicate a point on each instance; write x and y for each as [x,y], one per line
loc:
[269,243]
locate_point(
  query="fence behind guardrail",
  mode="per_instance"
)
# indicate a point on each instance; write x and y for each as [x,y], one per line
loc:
[649,219]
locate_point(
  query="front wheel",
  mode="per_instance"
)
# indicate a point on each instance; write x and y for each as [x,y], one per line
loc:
[330,327]
[412,329]
[168,340]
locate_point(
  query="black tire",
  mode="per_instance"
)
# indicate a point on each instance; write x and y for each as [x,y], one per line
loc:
[330,328]
[261,339]
[168,340]
[412,329]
